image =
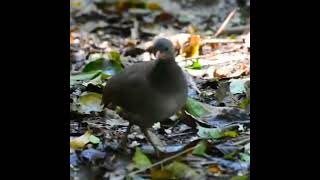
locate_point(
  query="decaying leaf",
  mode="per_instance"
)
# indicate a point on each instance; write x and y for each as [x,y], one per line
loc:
[192,48]
[80,142]
[232,134]
[237,86]
[232,71]
[215,169]
[92,154]
[239,178]
[182,171]
[161,174]
[140,160]
[90,102]
[200,149]
[208,133]
[197,108]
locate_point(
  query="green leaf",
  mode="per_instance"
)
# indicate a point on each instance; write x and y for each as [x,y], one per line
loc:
[196,65]
[108,67]
[140,159]
[84,76]
[94,65]
[245,157]
[98,81]
[93,139]
[182,171]
[115,56]
[196,108]
[90,102]
[239,178]
[230,156]
[208,133]
[81,141]
[232,134]
[245,103]
[200,149]
[233,36]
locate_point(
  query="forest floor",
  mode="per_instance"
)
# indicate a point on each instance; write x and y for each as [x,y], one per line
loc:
[210,137]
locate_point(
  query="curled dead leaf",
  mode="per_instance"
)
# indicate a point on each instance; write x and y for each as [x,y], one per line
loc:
[191,49]
[215,169]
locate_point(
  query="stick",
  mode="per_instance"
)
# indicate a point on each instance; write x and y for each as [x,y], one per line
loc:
[162,161]
[224,24]
[237,29]
[211,41]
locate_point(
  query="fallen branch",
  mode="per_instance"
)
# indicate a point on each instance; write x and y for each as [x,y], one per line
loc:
[224,24]
[162,161]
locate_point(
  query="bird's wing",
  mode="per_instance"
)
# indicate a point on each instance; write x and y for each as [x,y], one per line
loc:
[127,88]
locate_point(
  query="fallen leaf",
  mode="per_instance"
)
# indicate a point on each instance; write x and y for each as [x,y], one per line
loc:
[110,66]
[197,108]
[192,48]
[92,154]
[196,65]
[214,169]
[182,171]
[74,160]
[227,148]
[210,133]
[161,174]
[245,157]
[93,139]
[90,102]
[235,165]
[232,134]
[81,141]
[237,86]
[239,178]
[154,6]
[140,160]
[231,71]
[200,149]
[74,79]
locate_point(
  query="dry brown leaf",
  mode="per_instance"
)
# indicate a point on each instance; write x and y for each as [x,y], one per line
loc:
[161,174]
[71,39]
[214,169]
[192,48]
[232,71]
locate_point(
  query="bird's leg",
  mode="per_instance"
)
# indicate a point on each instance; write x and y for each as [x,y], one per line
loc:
[146,133]
[125,137]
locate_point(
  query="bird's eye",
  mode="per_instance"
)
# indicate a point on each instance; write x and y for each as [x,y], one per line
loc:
[166,48]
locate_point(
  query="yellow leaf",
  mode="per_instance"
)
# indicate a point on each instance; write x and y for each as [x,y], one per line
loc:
[81,141]
[161,174]
[192,49]
[154,6]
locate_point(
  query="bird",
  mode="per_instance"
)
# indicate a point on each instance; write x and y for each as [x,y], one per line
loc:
[149,91]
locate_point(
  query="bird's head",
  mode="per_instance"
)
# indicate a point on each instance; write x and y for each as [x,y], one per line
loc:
[163,49]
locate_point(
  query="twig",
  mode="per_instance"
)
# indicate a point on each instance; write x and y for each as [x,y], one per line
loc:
[211,41]
[180,134]
[162,161]
[241,141]
[237,29]
[224,24]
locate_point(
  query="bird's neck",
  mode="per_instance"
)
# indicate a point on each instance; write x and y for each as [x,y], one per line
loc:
[165,75]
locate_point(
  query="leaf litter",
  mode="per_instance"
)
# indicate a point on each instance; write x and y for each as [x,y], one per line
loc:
[213,50]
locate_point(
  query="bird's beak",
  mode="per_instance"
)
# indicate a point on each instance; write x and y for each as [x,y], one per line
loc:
[160,55]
